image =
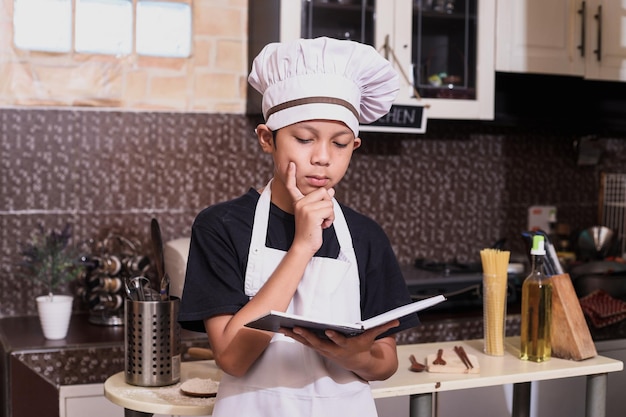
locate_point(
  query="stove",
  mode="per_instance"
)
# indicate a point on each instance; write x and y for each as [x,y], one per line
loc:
[460,283]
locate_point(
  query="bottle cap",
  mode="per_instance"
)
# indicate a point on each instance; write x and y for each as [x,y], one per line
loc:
[538,246]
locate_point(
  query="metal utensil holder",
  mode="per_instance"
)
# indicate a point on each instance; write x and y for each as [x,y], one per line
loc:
[152,342]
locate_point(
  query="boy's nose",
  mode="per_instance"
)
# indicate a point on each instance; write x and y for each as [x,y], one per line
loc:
[321,155]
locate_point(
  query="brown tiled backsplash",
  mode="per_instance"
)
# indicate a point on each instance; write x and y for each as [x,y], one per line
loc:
[439,196]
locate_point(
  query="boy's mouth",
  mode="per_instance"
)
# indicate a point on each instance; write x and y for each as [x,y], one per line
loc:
[316,181]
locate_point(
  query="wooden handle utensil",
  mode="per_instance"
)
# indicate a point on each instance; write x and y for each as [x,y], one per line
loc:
[439,360]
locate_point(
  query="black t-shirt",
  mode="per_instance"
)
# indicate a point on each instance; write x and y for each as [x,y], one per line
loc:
[218,257]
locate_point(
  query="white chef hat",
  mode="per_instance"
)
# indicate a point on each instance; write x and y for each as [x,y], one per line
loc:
[323,78]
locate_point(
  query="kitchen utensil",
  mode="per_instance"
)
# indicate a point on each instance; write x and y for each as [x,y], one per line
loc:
[157,247]
[136,288]
[463,356]
[458,353]
[176,253]
[130,293]
[595,243]
[453,363]
[151,294]
[152,342]
[467,359]
[415,365]
[609,276]
[439,360]
[571,338]
[157,244]
[165,287]
[200,387]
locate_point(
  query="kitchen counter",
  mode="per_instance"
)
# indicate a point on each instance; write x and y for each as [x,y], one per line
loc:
[419,387]
[91,353]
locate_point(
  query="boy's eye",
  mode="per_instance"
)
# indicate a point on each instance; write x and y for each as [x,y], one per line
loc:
[336,143]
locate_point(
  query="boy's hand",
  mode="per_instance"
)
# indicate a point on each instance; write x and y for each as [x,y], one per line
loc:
[361,354]
[313,212]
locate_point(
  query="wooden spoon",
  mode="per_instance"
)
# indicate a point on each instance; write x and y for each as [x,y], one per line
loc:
[439,360]
[415,365]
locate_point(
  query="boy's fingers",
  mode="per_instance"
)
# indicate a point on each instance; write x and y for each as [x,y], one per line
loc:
[292,188]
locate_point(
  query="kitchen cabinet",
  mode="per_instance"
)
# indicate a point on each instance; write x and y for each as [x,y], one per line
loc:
[566,37]
[563,397]
[88,400]
[442,49]
[66,375]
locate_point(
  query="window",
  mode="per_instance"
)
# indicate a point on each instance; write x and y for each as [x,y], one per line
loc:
[43,25]
[162,28]
[104,26]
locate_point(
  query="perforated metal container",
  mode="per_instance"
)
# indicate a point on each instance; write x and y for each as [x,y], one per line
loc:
[152,342]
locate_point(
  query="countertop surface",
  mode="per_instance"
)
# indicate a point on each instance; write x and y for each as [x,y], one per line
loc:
[88,355]
[493,370]
[24,333]
[90,352]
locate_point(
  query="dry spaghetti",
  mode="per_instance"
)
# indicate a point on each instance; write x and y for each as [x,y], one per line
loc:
[495,265]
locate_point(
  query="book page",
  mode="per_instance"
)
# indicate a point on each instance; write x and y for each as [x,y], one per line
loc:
[402,311]
[274,320]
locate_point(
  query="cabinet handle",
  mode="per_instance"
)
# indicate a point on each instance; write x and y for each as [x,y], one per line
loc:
[598,50]
[583,26]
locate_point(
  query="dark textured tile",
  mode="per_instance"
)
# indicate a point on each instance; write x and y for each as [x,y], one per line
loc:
[443,196]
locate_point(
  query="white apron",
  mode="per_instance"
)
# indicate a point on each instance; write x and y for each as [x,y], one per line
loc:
[290,379]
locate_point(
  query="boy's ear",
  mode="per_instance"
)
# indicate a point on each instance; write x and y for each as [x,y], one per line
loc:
[265,137]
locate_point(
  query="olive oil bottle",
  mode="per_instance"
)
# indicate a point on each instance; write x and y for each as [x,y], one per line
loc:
[536,323]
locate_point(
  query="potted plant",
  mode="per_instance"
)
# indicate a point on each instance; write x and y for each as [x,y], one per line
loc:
[51,261]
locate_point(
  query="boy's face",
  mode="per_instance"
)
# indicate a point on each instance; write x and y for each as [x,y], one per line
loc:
[321,150]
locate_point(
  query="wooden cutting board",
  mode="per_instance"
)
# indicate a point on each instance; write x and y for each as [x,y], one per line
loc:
[570,334]
[453,365]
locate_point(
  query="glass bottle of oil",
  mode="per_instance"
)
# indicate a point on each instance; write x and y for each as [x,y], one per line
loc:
[536,308]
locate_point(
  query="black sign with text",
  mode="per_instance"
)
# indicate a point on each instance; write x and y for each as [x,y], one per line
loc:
[411,119]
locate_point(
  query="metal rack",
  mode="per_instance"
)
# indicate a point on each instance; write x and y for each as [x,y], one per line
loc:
[613,206]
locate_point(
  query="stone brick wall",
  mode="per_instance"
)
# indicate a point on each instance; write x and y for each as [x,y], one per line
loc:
[212,80]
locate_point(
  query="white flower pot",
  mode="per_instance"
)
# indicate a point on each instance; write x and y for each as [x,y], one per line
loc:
[54,315]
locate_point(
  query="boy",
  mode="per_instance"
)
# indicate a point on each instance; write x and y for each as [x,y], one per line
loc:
[291,247]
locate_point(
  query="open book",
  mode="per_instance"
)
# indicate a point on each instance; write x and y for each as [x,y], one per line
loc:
[274,320]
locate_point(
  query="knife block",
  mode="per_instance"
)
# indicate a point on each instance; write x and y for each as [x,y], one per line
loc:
[570,334]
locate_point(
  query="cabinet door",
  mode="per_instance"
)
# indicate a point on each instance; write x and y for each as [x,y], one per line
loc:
[88,401]
[606,34]
[391,27]
[341,19]
[444,49]
[540,36]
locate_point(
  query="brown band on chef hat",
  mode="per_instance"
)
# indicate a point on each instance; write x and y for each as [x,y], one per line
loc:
[323,78]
